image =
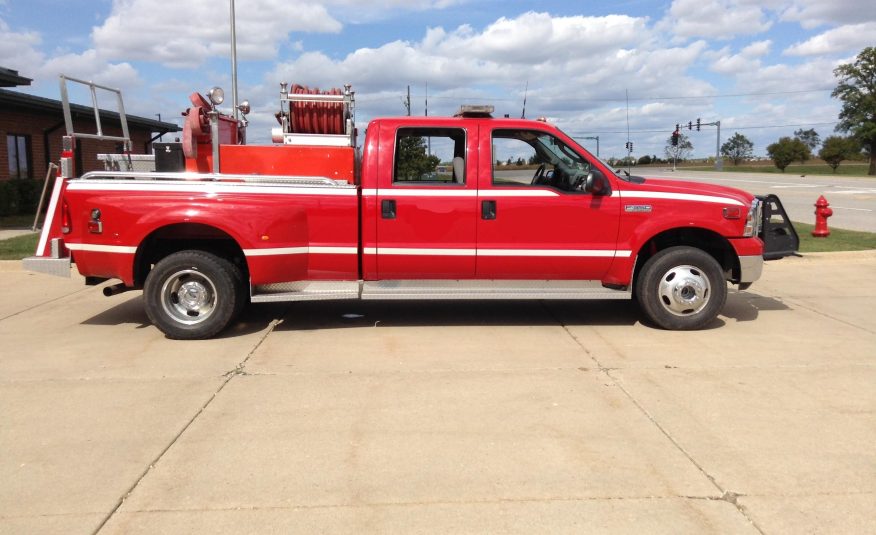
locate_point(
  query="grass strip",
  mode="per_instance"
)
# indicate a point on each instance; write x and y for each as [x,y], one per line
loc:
[18,247]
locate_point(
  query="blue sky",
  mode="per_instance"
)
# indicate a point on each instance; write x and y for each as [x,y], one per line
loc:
[763,68]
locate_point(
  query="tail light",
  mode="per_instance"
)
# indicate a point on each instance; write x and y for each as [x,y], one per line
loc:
[65,217]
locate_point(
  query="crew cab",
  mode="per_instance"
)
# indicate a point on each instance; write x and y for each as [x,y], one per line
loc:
[430,209]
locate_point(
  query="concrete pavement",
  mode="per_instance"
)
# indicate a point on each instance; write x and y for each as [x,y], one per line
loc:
[376,417]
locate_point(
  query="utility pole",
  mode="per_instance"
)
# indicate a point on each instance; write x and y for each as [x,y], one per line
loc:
[718,163]
[408,101]
[160,136]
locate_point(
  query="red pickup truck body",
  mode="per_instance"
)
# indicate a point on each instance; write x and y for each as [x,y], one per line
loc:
[318,222]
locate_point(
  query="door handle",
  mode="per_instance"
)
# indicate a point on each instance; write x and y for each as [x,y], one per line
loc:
[488,209]
[387,208]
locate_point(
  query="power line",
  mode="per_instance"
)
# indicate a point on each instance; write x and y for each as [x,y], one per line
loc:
[633,98]
[728,127]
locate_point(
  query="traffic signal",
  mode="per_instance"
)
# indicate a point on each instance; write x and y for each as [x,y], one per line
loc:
[690,125]
[675,138]
[698,124]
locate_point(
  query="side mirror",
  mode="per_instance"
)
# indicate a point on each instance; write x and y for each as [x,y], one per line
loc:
[596,183]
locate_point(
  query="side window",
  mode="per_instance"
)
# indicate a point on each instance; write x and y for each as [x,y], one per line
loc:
[429,156]
[532,158]
[19,154]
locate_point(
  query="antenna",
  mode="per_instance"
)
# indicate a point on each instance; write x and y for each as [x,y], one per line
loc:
[629,145]
[525,91]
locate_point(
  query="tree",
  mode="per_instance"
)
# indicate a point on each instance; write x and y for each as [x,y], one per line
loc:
[680,151]
[644,160]
[810,137]
[857,91]
[786,150]
[836,149]
[737,148]
[413,162]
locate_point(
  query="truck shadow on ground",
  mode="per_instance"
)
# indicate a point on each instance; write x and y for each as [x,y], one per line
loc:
[740,307]
[131,311]
[304,316]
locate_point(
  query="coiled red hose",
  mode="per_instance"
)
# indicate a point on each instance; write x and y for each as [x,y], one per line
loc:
[317,117]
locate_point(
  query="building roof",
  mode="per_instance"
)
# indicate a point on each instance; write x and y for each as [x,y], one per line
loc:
[10,78]
[47,105]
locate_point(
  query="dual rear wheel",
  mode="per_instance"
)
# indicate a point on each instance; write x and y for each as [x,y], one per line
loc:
[192,295]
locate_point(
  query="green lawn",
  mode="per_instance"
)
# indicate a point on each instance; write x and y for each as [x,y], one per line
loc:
[18,247]
[839,240]
[845,169]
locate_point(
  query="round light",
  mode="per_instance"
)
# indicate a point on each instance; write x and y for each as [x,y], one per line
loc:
[216,95]
[244,107]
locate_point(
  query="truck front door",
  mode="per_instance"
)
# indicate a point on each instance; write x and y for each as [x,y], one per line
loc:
[535,221]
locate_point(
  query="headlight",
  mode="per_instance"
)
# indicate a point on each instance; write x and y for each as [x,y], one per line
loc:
[754,219]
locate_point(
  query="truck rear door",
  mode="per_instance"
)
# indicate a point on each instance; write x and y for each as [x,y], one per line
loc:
[426,202]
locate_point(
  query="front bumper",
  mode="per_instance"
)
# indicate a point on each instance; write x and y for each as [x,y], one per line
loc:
[750,269]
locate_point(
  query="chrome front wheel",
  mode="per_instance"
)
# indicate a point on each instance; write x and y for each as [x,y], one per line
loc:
[681,288]
[684,290]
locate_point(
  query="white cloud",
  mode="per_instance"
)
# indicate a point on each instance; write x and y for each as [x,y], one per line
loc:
[715,19]
[748,59]
[574,67]
[19,49]
[139,30]
[813,13]
[89,66]
[848,38]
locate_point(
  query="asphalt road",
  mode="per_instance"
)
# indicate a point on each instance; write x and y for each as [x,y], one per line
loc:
[442,417]
[853,199]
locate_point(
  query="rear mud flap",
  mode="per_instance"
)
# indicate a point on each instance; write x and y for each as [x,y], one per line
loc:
[778,234]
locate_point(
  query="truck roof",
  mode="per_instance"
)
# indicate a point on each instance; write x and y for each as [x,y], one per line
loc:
[459,121]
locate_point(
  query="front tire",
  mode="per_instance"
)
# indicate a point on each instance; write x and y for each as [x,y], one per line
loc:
[681,288]
[192,295]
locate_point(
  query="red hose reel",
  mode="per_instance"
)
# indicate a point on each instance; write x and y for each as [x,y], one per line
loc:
[317,117]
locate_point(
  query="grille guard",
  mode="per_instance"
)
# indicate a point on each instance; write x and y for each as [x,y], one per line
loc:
[776,230]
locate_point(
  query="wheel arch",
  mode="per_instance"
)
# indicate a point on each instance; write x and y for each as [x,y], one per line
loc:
[709,241]
[175,237]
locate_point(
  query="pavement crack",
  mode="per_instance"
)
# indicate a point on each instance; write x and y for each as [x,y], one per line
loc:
[38,305]
[727,496]
[237,370]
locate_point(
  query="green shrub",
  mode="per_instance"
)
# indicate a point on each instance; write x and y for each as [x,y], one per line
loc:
[19,196]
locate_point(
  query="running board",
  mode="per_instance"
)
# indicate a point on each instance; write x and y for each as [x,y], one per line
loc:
[305,291]
[489,289]
[420,290]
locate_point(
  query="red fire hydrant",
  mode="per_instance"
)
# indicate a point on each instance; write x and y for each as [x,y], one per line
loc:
[822,212]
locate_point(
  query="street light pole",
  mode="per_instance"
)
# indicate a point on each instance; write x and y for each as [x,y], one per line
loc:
[597,143]
[160,136]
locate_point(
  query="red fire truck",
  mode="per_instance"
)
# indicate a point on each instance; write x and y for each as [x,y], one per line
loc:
[426,211]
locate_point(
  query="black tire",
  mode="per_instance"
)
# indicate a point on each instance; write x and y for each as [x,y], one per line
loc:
[191,295]
[681,288]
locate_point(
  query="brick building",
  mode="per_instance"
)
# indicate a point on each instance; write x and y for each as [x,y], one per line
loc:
[31,128]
